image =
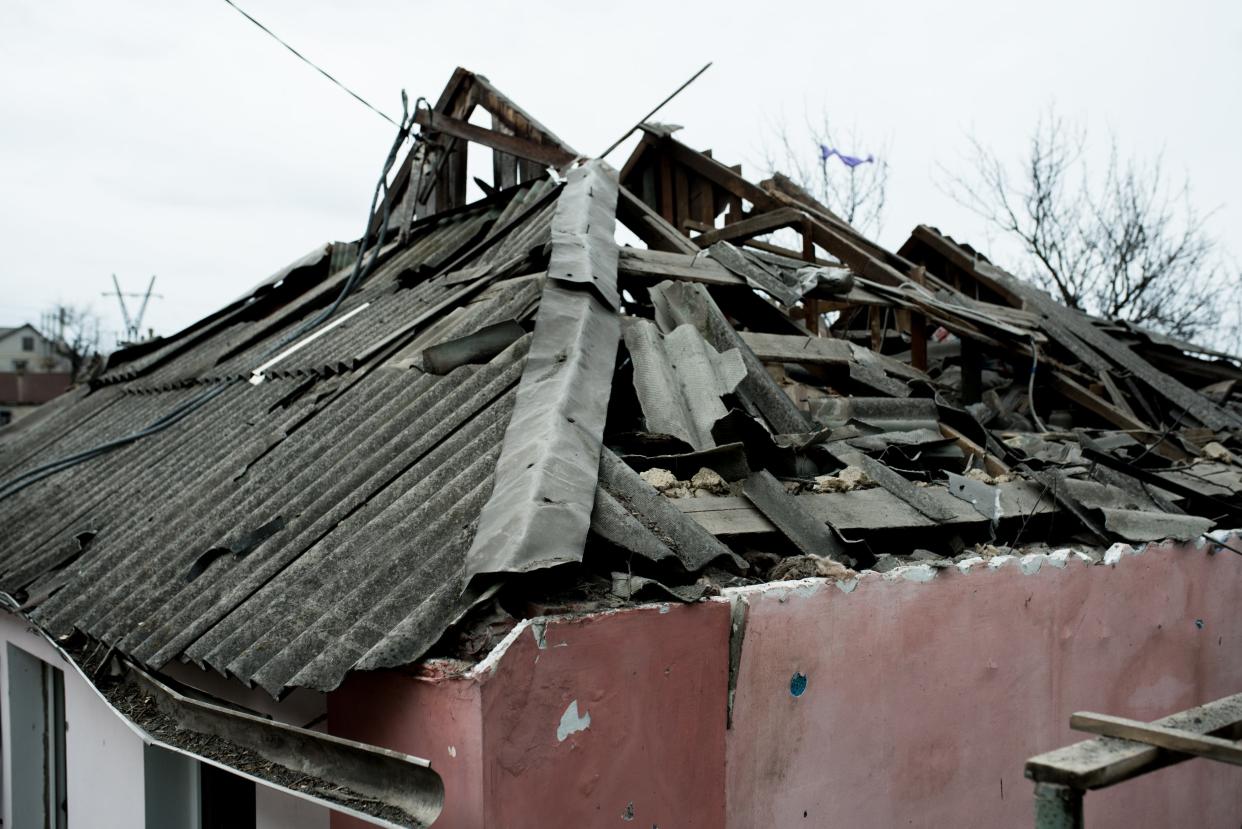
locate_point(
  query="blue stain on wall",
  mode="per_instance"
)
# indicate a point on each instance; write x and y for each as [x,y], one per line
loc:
[797,684]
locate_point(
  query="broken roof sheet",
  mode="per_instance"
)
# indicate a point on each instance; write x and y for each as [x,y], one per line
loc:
[508,393]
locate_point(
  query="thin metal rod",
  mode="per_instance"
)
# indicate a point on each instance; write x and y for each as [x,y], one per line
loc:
[659,106]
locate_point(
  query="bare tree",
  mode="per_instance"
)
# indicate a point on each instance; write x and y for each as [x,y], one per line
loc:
[1124,244]
[855,191]
[74,333]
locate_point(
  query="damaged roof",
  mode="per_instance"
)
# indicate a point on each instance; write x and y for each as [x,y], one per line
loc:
[476,405]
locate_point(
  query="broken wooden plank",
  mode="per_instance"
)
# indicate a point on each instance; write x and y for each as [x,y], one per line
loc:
[1094,403]
[649,225]
[658,265]
[754,225]
[1161,736]
[991,464]
[1093,764]
[786,348]
[1114,394]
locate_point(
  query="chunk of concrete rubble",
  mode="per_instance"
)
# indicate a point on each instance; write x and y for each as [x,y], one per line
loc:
[847,480]
[1216,452]
[885,562]
[671,486]
[809,566]
[661,479]
[708,481]
[977,474]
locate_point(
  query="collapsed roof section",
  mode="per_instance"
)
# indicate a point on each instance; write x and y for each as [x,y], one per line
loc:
[509,413]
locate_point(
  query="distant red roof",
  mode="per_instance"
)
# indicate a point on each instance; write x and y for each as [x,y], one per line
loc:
[29,389]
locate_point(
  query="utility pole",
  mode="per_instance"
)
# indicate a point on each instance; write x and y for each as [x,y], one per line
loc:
[133,325]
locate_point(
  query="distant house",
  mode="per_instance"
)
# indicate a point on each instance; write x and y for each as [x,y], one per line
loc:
[32,371]
[25,350]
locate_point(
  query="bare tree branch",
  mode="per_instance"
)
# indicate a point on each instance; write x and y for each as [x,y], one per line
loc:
[74,333]
[1128,244]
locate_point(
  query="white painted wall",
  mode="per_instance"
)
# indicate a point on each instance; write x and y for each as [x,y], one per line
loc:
[103,756]
[105,768]
[41,358]
[275,809]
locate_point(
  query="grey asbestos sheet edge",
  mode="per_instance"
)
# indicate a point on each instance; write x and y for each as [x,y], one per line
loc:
[809,534]
[539,512]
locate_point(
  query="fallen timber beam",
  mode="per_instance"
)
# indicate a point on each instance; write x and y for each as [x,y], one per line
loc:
[656,266]
[753,226]
[1080,336]
[649,225]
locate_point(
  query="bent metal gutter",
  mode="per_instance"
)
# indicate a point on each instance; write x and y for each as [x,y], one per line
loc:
[403,781]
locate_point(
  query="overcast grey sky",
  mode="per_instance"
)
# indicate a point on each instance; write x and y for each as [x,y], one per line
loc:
[177,139]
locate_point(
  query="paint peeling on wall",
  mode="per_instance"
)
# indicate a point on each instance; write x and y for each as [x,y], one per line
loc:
[572,722]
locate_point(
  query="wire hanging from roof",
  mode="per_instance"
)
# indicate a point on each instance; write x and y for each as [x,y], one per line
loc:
[362,268]
[312,64]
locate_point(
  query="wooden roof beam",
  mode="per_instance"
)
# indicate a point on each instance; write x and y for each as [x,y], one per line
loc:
[547,154]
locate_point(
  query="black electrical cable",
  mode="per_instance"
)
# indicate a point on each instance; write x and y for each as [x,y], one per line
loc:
[312,64]
[361,270]
[39,473]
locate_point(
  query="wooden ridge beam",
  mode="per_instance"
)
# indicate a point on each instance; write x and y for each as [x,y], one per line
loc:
[546,154]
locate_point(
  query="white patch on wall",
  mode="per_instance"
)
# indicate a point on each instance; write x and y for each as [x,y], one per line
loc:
[452,751]
[571,722]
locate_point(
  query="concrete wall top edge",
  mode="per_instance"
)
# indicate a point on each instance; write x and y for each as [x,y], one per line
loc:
[922,572]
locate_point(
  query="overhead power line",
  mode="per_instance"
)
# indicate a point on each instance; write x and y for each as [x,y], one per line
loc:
[312,64]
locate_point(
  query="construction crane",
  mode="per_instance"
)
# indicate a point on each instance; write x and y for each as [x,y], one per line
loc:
[133,325]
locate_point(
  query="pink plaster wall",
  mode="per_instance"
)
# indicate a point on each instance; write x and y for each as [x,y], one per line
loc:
[924,699]
[652,680]
[433,718]
[926,692]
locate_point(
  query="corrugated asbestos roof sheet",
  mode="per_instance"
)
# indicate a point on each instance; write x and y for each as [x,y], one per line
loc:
[288,531]
[314,510]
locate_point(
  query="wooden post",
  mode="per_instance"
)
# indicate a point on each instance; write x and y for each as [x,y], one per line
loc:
[972,371]
[504,166]
[918,327]
[810,305]
[666,191]
[875,320]
[1057,807]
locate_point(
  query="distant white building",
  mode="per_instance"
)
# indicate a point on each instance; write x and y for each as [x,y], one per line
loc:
[32,371]
[24,350]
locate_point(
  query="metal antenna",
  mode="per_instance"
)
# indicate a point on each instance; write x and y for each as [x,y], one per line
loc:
[658,107]
[133,325]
